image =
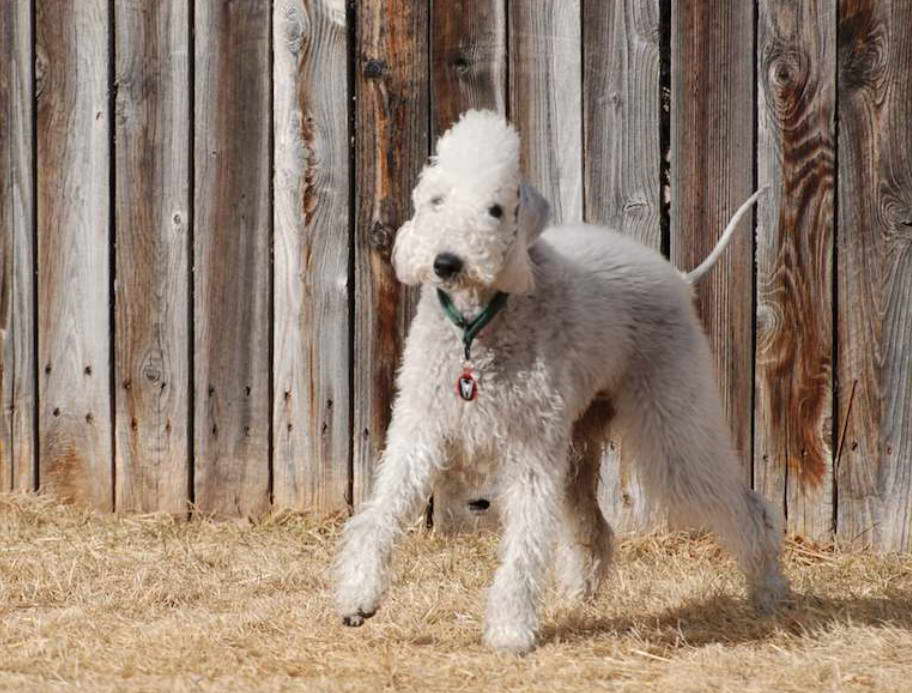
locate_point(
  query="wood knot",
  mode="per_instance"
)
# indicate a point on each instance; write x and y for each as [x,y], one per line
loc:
[374,69]
[461,64]
[788,70]
[636,208]
[152,374]
[381,237]
[861,48]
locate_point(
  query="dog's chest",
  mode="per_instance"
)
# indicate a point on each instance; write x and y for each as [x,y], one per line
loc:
[503,392]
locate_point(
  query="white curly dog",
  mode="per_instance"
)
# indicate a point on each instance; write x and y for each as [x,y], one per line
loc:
[526,340]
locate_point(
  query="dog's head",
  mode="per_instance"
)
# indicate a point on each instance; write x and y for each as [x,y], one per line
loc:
[474,220]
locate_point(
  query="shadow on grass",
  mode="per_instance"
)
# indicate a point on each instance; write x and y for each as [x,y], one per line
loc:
[729,621]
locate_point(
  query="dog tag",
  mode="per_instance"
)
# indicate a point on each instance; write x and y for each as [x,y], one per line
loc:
[466,385]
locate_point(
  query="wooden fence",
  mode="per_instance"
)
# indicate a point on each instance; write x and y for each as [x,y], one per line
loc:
[199,198]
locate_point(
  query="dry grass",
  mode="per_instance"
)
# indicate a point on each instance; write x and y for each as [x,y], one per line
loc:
[146,603]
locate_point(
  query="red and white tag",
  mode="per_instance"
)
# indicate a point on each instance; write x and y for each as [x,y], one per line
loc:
[466,387]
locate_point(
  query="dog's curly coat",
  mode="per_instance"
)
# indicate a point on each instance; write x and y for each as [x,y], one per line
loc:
[592,316]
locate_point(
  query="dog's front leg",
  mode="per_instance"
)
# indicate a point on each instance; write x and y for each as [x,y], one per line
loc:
[531,486]
[403,482]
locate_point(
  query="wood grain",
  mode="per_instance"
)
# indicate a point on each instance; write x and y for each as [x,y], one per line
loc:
[17,252]
[73,132]
[311,400]
[231,258]
[391,145]
[546,99]
[796,65]
[468,70]
[622,157]
[152,218]
[468,60]
[711,161]
[874,275]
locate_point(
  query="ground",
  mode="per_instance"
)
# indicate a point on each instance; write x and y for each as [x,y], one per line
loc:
[109,603]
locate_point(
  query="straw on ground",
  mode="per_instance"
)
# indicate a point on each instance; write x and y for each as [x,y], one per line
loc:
[154,604]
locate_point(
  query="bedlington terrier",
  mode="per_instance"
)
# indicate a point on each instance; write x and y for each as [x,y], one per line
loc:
[524,342]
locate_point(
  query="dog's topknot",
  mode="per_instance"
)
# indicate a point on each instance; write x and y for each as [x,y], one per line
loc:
[481,147]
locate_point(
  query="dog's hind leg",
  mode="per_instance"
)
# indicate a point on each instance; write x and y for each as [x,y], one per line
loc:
[585,540]
[674,421]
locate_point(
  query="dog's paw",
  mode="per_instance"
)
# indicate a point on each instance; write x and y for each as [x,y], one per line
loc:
[357,619]
[510,639]
[355,609]
[770,594]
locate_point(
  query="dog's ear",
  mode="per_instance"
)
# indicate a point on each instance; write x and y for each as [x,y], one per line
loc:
[532,213]
[402,263]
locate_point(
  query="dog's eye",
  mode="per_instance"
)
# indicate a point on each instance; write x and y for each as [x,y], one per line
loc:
[495,211]
[437,200]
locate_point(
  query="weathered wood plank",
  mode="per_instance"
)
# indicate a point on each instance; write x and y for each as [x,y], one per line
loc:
[621,162]
[73,133]
[152,218]
[311,366]
[231,257]
[468,70]
[468,60]
[391,145]
[546,99]
[711,161]
[796,64]
[874,275]
[17,252]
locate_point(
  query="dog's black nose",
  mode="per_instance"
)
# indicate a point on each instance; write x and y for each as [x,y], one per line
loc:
[446,265]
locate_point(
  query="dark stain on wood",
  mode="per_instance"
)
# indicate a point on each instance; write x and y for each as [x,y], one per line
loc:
[711,166]
[391,121]
[795,360]
[862,38]
[468,60]
[64,476]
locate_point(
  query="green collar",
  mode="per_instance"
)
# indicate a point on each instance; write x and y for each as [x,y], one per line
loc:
[470,330]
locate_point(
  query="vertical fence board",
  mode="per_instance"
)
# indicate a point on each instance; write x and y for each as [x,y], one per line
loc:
[711,175]
[874,240]
[311,350]
[391,145]
[468,70]
[152,206]
[468,60]
[17,252]
[231,257]
[545,100]
[796,52]
[621,114]
[73,132]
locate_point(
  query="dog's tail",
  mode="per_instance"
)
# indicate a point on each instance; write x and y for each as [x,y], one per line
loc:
[696,275]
